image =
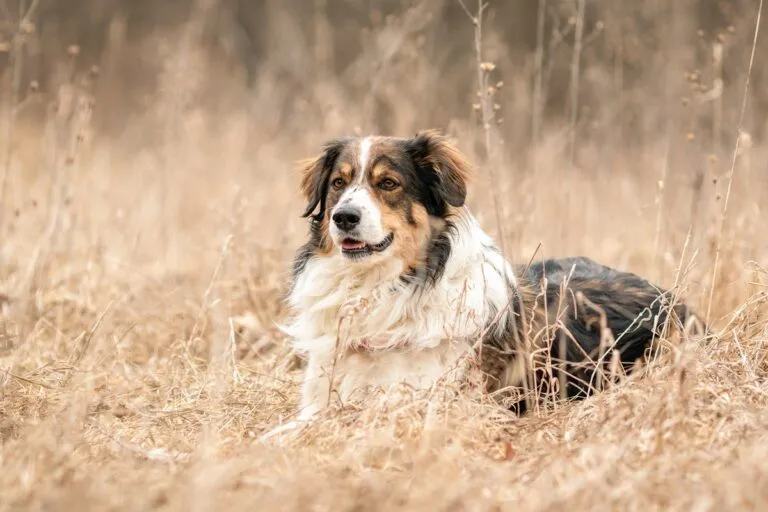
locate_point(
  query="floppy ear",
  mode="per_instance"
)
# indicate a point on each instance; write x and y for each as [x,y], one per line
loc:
[442,167]
[315,174]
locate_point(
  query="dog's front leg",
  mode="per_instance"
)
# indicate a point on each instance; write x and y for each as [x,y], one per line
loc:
[315,389]
[314,397]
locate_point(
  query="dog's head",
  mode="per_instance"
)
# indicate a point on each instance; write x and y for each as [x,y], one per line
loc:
[373,198]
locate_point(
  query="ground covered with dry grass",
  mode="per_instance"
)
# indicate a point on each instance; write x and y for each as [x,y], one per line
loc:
[142,273]
[130,391]
[138,374]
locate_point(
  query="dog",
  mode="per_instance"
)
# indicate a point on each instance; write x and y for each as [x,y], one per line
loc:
[399,284]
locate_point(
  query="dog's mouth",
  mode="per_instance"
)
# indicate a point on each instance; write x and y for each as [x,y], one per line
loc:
[355,247]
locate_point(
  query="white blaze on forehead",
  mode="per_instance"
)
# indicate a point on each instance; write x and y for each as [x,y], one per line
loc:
[369,229]
[365,152]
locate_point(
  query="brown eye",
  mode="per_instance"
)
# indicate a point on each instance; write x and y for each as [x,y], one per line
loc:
[338,183]
[388,184]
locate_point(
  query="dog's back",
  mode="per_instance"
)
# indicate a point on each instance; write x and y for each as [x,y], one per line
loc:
[394,251]
[585,321]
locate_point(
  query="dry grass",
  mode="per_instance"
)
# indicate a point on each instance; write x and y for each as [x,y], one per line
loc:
[141,275]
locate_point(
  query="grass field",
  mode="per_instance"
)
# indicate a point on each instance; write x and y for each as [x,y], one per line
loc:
[142,272]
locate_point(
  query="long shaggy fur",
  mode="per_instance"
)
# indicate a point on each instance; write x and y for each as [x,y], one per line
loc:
[442,302]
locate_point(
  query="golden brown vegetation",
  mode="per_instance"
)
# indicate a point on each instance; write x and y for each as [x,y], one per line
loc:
[150,207]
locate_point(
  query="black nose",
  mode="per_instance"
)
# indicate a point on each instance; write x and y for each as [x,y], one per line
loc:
[346,218]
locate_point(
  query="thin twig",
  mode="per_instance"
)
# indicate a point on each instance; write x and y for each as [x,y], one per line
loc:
[487,118]
[660,202]
[209,289]
[575,70]
[26,380]
[488,115]
[17,45]
[733,162]
[537,86]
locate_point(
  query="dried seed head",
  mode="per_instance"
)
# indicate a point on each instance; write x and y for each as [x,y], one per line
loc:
[499,84]
[5,46]
[34,86]
[745,140]
[27,27]
[717,51]
[690,136]
[73,50]
[487,66]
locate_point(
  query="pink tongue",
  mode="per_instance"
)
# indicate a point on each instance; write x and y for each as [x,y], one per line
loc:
[352,244]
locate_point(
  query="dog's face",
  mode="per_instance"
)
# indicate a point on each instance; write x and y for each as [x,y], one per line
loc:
[379,197]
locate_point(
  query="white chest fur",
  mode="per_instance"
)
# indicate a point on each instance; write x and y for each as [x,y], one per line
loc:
[362,327]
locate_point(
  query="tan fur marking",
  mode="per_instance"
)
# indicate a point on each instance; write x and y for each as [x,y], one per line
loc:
[444,151]
[410,240]
[413,251]
[308,167]
[378,172]
[326,246]
[346,170]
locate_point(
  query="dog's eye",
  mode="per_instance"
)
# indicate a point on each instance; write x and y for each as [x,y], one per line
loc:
[388,184]
[338,183]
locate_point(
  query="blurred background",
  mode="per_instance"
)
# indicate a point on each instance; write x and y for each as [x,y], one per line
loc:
[149,211]
[150,131]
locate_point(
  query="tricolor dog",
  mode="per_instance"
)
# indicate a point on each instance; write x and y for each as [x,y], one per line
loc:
[398,283]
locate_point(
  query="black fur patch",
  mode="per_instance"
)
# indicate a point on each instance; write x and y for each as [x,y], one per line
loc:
[634,310]
[306,251]
[321,171]
[435,172]
[438,253]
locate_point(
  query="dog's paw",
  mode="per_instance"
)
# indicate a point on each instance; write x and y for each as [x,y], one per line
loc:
[282,432]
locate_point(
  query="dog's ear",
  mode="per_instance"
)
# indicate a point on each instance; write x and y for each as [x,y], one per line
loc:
[442,168]
[315,173]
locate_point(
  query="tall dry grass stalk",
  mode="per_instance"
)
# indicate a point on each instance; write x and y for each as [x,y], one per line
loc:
[15,49]
[735,154]
[575,69]
[149,221]
[538,101]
